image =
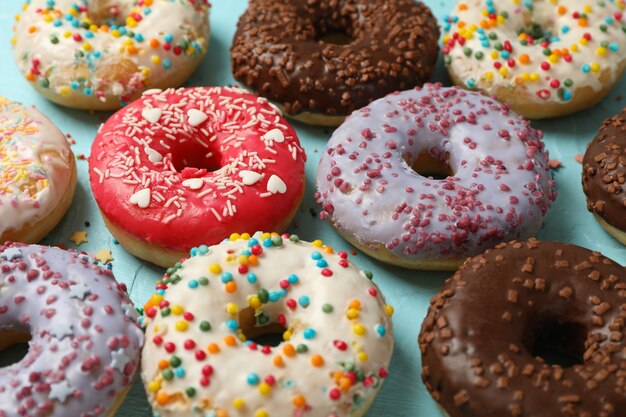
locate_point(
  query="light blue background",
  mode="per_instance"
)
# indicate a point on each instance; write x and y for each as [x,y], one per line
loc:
[409,292]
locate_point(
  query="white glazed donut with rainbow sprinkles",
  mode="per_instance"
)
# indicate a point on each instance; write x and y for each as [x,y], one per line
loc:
[203,356]
[545,58]
[82,331]
[37,173]
[99,54]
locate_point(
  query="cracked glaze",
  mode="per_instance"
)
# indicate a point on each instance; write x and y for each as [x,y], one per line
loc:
[501,189]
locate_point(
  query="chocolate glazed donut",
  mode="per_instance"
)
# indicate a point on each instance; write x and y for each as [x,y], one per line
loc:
[285,51]
[530,329]
[604,176]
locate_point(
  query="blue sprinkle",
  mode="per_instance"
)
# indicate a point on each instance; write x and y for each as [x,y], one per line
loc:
[267,242]
[203,249]
[193,284]
[505,54]
[322,263]
[169,38]
[226,277]
[274,296]
[57,23]
[75,23]
[139,37]
[253,379]
[614,47]
[586,68]
[609,20]
[74,85]
[292,279]
[316,255]
[565,29]
[167,64]
[567,96]
[252,242]
[232,324]
[147,11]
[97,54]
[87,91]
[282,292]
[304,301]
[251,278]
[471,83]
[381,330]
[193,252]
[160,292]
[89,34]
[246,253]
[309,333]
[180,372]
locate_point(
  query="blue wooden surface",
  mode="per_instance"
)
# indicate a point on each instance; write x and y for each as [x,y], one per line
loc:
[409,292]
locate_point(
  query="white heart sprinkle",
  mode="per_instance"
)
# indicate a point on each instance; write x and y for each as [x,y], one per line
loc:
[141,198]
[276,185]
[196,117]
[275,135]
[250,177]
[194,183]
[153,156]
[152,114]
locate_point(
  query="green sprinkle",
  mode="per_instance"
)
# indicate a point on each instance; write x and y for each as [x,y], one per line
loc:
[327,308]
[166,312]
[301,348]
[175,361]
[294,238]
[568,82]
[167,374]
[263,295]
[205,326]
[204,281]
[467,51]
[191,392]
[368,274]
[277,241]
[479,55]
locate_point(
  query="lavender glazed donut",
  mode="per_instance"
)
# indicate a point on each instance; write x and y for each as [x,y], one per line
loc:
[84,339]
[376,180]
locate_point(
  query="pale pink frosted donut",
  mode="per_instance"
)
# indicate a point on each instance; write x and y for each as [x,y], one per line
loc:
[501,188]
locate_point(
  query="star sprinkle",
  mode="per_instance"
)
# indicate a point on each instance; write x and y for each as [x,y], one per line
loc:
[104,256]
[11,253]
[79,290]
[61,329]
[120,359]
[60,391]
[79,237]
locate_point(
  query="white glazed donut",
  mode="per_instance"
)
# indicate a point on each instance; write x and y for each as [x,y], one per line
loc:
[544,58]
[37,174]
[99,54]
[84,343]
[336,332]
[497,185]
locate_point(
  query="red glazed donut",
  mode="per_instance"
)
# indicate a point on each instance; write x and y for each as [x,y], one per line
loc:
[181,168]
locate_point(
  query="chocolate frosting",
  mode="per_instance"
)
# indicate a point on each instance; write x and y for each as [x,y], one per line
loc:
[277,52]
[604,172]
[481,330]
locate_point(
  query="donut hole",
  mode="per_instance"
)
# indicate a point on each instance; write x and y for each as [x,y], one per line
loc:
[557,342]
[428,165]
[195,157]
[13,346]
[334,31]
[260,329]
[108,12]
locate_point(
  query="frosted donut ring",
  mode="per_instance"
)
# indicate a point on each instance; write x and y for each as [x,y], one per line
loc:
[496,185]
[99,54]
[181,168]
[37,174]
[543,58]
[84,339]
[202,357]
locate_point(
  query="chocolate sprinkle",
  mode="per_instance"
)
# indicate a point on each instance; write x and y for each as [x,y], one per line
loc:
[278,51]
[496,319]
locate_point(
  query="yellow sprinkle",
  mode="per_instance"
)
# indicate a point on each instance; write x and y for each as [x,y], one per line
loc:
[155,59]
[317,243]
[215,268]
[553,59]
[504,71]
[231,308]
[87,46]
[154,386]
[254,301]
[265,236]
[64,91]
[495,55]
[234,236]
[242,259]
[67,34]
[238,403]
[359,329]
[178,310]
[116,33]
[601,51]
[245,236]
[588,9]
[389,309]
[264,388]
[261,413]
[182,326]
[583,41]
[352,313]
[595,67]
[48,19]
[362,356]
[287,335]
[574,48]
[489,75]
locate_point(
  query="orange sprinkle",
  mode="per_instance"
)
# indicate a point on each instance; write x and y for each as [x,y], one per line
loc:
[462,7]
[213,348]
[524,59]
[299,401]
[154,43]
[32,29]
[220,412]
[278,361]
[582,22]
[131,50]
[461,25]
[562,10]
[164,363]
[329,250]
[231,287]
[253,260]
[104,28]
[230,340]
[355,304]
[289,350]
[317,360]
[345,384]
[30,76]
[162,398]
